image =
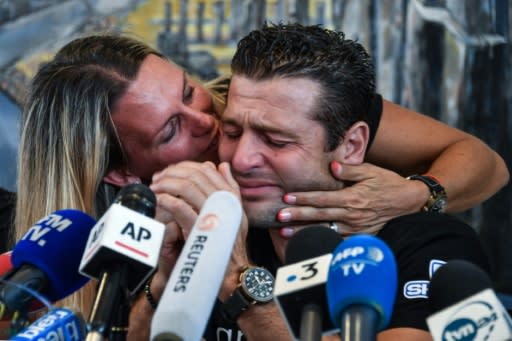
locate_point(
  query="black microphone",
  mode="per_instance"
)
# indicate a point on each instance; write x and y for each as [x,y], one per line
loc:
[122,252]
[465,306]
[300,285]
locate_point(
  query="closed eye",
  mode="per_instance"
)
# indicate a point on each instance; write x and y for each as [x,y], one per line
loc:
[188,94]
[232,135]
[173,126]
[275,143]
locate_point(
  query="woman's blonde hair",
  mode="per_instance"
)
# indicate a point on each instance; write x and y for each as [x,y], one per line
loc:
[68,141]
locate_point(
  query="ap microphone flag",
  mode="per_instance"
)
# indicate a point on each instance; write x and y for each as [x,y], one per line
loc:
[191,291]
[122,251]
[125,234]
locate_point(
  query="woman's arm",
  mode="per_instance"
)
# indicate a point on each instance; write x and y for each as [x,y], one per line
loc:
[405,143]
[411,143]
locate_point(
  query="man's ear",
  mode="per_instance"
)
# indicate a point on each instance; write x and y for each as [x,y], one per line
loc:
[120,178]
[353,148]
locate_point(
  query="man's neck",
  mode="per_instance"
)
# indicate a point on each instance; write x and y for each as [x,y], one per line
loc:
[279,243]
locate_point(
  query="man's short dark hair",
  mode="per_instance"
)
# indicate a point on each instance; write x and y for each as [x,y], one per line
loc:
[341,66]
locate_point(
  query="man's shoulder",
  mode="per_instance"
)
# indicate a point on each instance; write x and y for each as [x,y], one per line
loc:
[426,226]
[426,236]
[421,243]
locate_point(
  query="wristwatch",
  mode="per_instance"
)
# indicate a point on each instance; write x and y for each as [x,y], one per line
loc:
[255,286]
[437,201]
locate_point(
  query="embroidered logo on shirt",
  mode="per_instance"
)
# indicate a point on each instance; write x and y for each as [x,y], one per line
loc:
[434,265]
[419,288]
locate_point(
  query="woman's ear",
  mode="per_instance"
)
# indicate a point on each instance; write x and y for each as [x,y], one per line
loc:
[353,148]
[121,178]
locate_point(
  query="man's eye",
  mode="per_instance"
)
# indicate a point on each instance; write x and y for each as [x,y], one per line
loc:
[276,143]
[232,135]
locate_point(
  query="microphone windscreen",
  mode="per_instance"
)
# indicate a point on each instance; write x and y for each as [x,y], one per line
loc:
[311,242]
[55,245]
[470,279]
[363,271]
[137,197]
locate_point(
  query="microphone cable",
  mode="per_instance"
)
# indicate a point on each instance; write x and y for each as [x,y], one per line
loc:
[20,319]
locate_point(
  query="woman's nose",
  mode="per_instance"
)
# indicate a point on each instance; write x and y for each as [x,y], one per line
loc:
[201,123]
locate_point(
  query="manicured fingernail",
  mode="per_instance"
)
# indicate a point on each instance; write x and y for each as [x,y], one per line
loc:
[290,199]
[286,232]
[336,167]
[284,216]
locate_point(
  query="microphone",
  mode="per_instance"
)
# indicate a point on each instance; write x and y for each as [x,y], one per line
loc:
[5,262]
[46,260]
[122,251]
[506,300]
[361,287]
[299,291]
[6,266]
[465,305]
[58,324]
[191,291]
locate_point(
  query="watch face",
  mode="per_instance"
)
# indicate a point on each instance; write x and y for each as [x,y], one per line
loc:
[258,284]
[436,203]
[439,205]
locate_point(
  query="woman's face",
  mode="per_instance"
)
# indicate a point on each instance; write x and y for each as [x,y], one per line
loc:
[164,118]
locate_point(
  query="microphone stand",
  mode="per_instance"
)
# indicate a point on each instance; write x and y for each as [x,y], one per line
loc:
[107,299]
[359,323]
[311,323]
[119,323]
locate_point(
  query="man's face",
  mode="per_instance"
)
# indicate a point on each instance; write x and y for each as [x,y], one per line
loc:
[273,144]
[164,118]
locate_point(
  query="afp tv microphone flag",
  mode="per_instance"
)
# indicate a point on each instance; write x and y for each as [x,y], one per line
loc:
[362,285]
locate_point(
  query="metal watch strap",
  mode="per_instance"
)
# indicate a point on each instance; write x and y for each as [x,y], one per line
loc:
[235,305]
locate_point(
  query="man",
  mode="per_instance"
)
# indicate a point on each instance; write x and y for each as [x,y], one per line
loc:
[300,104]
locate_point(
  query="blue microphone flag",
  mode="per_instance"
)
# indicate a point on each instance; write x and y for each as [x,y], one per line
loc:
[55,245]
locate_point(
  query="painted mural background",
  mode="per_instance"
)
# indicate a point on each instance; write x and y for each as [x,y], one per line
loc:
[450,59]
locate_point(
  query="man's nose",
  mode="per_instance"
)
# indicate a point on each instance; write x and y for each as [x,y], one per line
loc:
[246,155]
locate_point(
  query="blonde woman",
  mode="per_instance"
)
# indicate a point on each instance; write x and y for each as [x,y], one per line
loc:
[108,110]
